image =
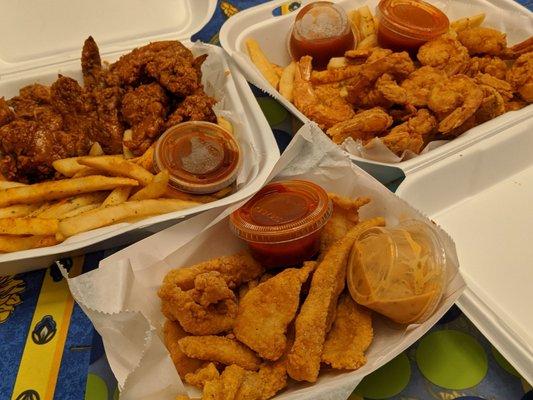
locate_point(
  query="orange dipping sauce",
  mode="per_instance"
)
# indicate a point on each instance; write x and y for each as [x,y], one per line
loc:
[200,157]
[283,221]
[321,30]
[408,24]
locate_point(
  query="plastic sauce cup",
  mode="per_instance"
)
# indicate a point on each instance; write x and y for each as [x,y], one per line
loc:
[283,221]
[201,157]
[408,24]
[321,30]
[399,272]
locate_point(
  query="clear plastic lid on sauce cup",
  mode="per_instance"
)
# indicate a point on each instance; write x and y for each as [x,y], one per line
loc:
[408,24]
[399,272]
[283,221]
[201,157]
[321,30]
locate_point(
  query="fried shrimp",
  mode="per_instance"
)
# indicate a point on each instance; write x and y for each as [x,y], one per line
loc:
[481,40]
[444,53]
[455,100]
[520,75]
[307,101]
[363,126]
[418,85]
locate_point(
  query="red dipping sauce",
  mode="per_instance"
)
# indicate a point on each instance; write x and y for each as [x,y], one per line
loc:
[321,30]
[408,24]
[283,221]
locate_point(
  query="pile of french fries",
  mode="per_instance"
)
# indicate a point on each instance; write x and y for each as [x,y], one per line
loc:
[97,191]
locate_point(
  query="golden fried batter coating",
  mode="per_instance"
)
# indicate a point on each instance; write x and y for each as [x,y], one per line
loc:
[481,40]
[220,349]
[267,309]
[172,332]
[202,375]
[350,336]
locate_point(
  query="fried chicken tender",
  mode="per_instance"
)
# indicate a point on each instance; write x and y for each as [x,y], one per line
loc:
[202,375]
[419,84]
[196,107]
[444,53]
[267,309]
[344,217]
[219,349]
[170,63]
[364,126]
[350,335]
[318,310]
[91,64]
[209,308]
[520,75]
[235,269]
[413,134]
[6,115]
[307,101]
[144,109]
[454,101]
[172,332]
[481,40]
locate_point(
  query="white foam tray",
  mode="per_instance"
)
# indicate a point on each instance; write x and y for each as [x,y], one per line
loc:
[41,40]
[483,197]
[272,31]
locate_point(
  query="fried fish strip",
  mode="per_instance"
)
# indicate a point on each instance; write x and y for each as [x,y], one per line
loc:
[202,375]
[220,349]
[267,309]
[226,386]
[172,332]
[235,269]
[350,336]
[318,309]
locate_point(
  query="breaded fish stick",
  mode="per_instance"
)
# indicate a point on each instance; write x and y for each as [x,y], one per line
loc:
[303,362]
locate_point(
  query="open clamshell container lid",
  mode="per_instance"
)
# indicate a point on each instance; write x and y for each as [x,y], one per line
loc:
[36,33]
[42,38]
[487,210]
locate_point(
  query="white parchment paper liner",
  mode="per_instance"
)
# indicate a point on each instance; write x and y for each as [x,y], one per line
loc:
[516,25]
[121,299]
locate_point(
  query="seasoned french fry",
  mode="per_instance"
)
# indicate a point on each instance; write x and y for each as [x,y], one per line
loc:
[366,22]
[157,188]
[8,184]
[42,208]
[64,206]
[118,167]
[286,82]
[224,123]
[337,62]
[79,210]
[368,42]
[128,135]
[87,171]
[53,190]
[261,62]
[109,215]
[147,159]
[278,69]
[355,20]
[96,150]
[18,210]
[9,243]
[117,196]
[468,22]
[70,166]
[28,226]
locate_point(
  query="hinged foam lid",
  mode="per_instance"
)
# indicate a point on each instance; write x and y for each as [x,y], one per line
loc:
[37,33]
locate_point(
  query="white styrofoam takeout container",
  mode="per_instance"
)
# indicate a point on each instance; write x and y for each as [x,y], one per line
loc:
[41,39]
[483,197]
[271,32]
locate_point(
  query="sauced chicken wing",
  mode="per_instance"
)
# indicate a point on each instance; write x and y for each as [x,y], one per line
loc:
[196,107]
[311,105]
[144,109]
[412,135]
[481,40]
[454,101]
[419,84]
[363,126]
[444,53]
[520,75]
